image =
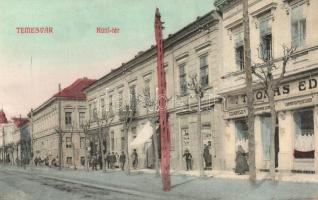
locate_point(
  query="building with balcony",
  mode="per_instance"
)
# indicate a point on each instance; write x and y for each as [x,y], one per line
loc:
[193,50]
[273,24]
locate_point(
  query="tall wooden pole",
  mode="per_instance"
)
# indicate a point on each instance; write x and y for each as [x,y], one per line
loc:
[163,119]
[249,92]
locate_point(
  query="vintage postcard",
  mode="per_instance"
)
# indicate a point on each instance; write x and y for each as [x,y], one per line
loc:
[159,99]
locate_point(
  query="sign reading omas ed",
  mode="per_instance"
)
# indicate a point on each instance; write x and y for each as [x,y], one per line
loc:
[296,88]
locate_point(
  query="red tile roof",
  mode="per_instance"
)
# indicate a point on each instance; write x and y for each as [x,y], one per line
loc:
[3,118]
[75,90]
[19,122]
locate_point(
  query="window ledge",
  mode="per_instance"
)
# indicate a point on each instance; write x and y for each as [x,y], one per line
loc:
[235,73]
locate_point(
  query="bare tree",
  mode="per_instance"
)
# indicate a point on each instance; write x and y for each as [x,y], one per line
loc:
[85,126]
[270,83]
[103,122]
[126,115]
[249,93]
[197,87]
[73,125]
[152,112]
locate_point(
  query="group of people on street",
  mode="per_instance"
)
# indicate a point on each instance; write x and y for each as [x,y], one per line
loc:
[112,160]
[241,165]
[39,161]
[206,155]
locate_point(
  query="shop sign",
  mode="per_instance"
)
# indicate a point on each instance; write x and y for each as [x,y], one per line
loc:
[292,89]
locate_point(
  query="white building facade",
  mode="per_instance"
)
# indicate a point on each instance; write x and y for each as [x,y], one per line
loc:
[195,49]
[273,24]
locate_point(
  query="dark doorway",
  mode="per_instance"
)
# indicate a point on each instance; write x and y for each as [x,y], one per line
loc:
[276,144]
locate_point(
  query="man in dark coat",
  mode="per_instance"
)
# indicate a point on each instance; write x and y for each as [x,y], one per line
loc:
[108,160]
[188,158]
[134,159]
[122,160]
[207,156]
[113,160]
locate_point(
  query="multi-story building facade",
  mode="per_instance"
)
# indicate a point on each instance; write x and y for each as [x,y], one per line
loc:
[195,49]
[3,120]
[273,24]
[18,141]
[64,112]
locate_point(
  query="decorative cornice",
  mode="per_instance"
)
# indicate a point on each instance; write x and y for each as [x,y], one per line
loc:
[202,23]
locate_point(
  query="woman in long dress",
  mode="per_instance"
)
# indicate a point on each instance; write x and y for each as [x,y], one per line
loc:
[241,161]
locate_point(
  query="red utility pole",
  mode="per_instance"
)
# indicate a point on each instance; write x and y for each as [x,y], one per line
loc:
[163,120]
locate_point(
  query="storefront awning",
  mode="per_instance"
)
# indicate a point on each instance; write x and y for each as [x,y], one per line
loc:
[143,135]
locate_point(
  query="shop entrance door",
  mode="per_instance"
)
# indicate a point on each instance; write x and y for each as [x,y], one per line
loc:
[276,145]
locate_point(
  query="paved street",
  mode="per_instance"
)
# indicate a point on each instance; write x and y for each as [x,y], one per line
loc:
[16,186]
[45,183]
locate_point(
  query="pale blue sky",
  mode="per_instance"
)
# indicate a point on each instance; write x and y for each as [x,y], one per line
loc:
[74,49]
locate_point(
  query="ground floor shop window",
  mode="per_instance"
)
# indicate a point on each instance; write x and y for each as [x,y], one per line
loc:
[304,134]
[266,132]
[82,160]
[241,135]
[69,160]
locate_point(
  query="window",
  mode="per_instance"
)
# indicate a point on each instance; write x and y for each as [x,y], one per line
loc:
[239,49]
[82,160]
[69,160]
[132,96]
[90,111]
[81,118]
[68,142]
[120,99]
[134,132]
[241,135]
[147,92]
[266,132]
[102,103]
[304,134]
[265,39]
[112,139]
[82,142]
[110,103]
[94,110]
[204,71]
[68,118]
[298,26]
[183,79]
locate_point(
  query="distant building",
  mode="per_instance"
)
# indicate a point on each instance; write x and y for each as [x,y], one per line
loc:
[49,118]
[18,139]
[10,139]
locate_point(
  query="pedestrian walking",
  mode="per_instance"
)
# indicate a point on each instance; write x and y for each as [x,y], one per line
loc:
[134,157]
[113,160]
[117,160]
[188,158]
[207,157]
[241,161]
[122,159]
[108,160]
[99,161]
[94,163]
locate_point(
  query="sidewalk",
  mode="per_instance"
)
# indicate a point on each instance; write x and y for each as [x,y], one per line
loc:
[185,185]
[288,177]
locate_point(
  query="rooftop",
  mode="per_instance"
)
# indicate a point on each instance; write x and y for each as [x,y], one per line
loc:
[72,92]
[75,90]
[3,118]
[19,122]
